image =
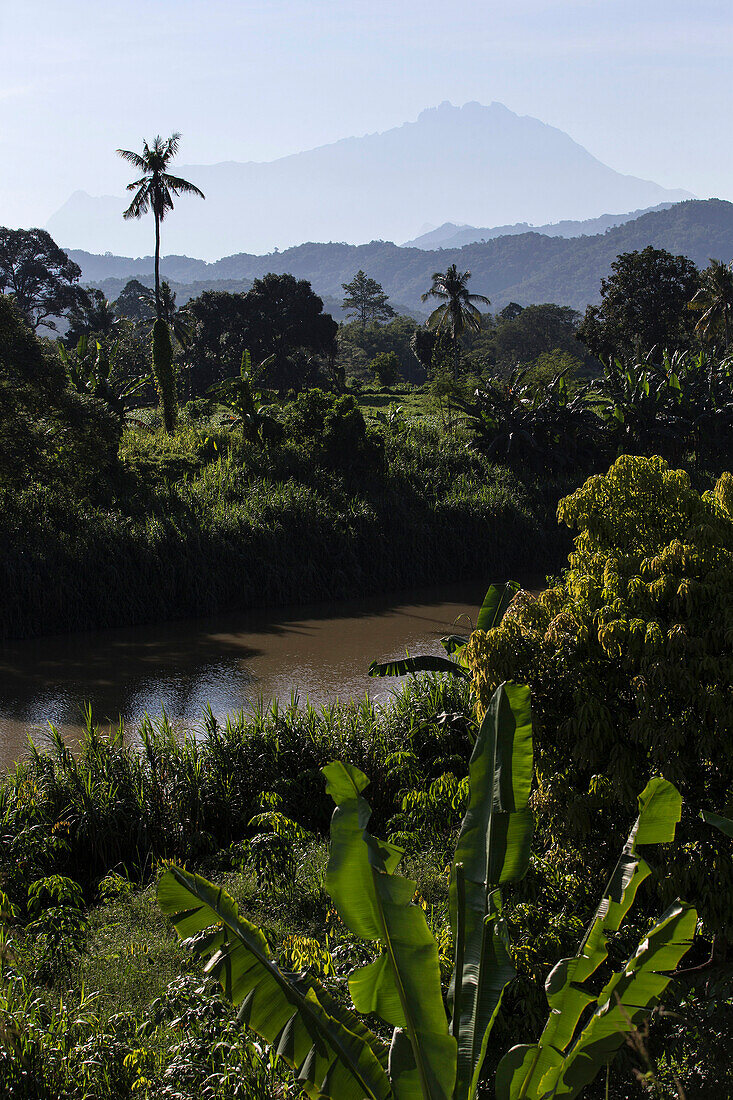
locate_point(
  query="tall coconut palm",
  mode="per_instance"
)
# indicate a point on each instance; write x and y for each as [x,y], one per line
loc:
[715,300]
[457,311]
[155,190]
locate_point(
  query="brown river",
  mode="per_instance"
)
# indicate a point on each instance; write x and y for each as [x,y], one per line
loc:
[321,652]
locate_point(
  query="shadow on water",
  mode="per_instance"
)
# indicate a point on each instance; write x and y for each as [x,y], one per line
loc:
[229,661]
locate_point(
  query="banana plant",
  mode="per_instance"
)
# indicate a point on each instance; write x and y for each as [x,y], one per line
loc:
[437,1052]
[93,371]
[430,1058]
[238,394]
[569,1054]
[496,601]
[724,824]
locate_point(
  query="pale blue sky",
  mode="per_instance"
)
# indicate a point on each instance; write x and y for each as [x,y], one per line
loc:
[646,86]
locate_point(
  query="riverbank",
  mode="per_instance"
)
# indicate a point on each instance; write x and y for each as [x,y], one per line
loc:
[98,979]
[202,521]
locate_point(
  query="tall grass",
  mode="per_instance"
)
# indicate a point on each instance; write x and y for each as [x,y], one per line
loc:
[118,806]
[199,523]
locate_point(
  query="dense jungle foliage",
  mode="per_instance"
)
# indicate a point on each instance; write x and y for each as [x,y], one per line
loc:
[162,461]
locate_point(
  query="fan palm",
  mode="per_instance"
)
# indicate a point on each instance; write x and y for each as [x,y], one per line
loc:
[457,311]
[715,300]
[155,190]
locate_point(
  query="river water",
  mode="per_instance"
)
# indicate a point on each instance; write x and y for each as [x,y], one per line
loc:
[321,651]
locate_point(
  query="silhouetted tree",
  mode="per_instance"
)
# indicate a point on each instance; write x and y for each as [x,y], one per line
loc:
[714,299]
[92,314]
[457,310]
[366,300]
[644,305]
[155,190]
[39,275]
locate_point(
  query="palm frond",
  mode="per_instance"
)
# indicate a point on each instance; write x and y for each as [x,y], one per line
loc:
[133,158]
[180,186]
[139,205]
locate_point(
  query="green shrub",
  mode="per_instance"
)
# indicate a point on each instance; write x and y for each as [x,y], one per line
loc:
[630,660]
[164,375]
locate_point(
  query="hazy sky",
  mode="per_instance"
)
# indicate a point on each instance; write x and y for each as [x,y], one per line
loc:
[645,85]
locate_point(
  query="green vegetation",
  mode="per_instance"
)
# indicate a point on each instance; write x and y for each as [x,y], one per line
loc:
[163,374]
[457,311]
[366,300]
[290,481]
[630,662]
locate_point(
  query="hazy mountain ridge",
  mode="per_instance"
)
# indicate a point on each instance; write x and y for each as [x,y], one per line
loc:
[484,163]
[526,268]
[450,235]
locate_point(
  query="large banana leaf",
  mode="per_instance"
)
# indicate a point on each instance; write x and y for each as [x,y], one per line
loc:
[626,1000]
[496,601]
[334,1055]
[402,985]
[411,665]
[493,848]
[531,1071]
[723,823]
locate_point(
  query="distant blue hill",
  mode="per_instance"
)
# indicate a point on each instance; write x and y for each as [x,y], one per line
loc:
[482,165]
[525,268]
[450,235]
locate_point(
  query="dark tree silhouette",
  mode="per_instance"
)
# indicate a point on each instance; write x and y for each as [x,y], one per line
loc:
[457,311]
[39,275]
[155,190]
[715,301]
[366,300]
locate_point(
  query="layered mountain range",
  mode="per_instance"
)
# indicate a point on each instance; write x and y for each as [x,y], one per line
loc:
[526,268]
[475,164]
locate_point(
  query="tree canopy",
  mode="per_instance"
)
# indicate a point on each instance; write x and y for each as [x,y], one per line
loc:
[714,301]
[48,431]
[365,299]
[280,316]
[39,275]
[644,305]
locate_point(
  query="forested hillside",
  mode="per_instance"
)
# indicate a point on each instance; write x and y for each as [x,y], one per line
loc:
[526,268]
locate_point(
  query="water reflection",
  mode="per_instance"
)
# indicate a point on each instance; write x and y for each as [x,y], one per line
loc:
[321,651]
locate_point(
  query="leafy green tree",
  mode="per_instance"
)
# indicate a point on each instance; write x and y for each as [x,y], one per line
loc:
[49,434]
[458,310]
[536,330]
[155,190]
[358,346]
[285,319]
[643,305]
[220,334]
[630,661]
[136,302]
[366,300]
[714,299]
[386,368]
[39,275]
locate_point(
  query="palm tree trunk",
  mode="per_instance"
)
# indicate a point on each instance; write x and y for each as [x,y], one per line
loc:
[157,264]
[726,322]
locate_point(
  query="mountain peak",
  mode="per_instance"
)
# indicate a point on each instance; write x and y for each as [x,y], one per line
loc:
[479,165]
